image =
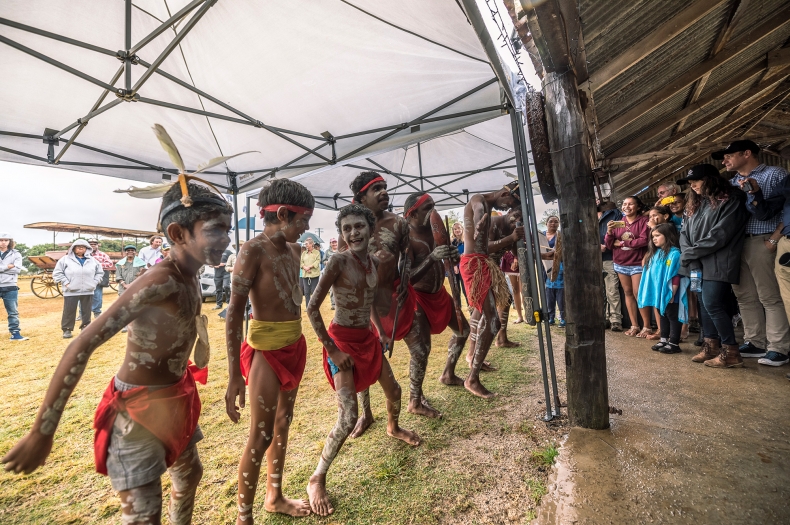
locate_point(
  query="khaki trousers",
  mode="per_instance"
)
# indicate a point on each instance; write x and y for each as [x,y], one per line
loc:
[764,318]
[783,274]
[612,284]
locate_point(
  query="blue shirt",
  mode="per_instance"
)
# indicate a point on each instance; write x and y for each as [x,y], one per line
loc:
[769,178]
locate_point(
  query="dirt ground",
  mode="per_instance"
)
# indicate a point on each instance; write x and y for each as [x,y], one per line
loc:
[484,462]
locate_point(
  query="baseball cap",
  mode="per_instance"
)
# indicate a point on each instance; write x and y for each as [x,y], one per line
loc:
[699,172]
[738,145]
[6,235]
[333,239]
[130,247]
[93,240]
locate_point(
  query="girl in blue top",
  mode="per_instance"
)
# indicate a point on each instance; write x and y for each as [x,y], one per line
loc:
[662,288]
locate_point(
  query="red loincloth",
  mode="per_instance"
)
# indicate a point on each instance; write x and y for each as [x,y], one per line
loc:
[287,362]
[405,314]
[200,374]
[438,308]
[171,414]
[364,348]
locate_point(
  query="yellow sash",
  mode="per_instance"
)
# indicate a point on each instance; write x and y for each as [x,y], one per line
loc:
[268,335]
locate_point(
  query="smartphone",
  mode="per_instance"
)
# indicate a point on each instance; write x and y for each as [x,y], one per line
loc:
[747,187]
[618,224]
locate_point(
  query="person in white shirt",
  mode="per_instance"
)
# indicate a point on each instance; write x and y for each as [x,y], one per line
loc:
[150,254]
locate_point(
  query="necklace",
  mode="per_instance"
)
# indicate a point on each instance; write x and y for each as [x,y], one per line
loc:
[370,278]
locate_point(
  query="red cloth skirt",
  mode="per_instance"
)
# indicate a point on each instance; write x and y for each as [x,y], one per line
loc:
[405,314]
[171,414]
[438,308]
[364,348]
[472,264]
[287,362]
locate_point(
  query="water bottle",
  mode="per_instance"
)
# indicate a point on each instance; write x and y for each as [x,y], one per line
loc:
[696,280]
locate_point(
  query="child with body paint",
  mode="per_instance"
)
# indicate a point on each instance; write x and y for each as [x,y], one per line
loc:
[273,356]
[146,423]
[353,355]
[662,288]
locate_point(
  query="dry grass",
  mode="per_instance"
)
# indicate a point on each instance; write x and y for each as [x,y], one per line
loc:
[476,465]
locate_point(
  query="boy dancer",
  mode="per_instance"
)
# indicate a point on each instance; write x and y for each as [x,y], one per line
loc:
[427,277]
[485,283]
[273,356]
[147,420]
[353,356]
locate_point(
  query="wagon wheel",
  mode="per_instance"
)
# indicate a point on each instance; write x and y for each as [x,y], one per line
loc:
[113,282]
[45,287]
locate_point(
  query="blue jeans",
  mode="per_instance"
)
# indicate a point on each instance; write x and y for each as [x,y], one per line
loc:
[9,296]
[98,298]
[716,322]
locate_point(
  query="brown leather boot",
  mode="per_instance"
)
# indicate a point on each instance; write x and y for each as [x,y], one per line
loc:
[710,349]
[729,357]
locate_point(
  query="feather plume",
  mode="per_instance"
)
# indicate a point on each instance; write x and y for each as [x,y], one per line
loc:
[150,192]
[219,160]
[170,147]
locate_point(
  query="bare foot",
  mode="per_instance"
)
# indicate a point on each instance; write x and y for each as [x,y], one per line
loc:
[319,501]
[362,425]
[478,389]
[407,436]
[290,507]
[507,344]
[450,379]
[486,367]
[422,408]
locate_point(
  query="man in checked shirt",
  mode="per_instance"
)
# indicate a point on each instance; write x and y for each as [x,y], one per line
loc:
[766,331]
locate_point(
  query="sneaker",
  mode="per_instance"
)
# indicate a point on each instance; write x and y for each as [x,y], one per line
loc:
[551,322]
[747,349]
[16,336]
[67,334]
[562,323]
[617,327]
[774,359]
[218,307]
[694,327]
[124,330]
[658,346]
[670,349]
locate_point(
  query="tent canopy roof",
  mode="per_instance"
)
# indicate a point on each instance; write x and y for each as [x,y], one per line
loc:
[304,84]
[88,229]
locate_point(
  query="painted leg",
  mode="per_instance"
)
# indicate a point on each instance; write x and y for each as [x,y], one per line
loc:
[264,388]
[393,392]
[474,321]
[275,456]
[346,417]
[418,340]
[457,342]
[142,505]
[486,329]
[501,337]
[185,475]
[367,414]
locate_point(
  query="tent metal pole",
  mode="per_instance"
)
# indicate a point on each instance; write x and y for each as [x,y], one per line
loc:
[396,175]
[171,46]
[162,28]
[541,284]
[247,223]
[127,61]
[419,163]
[186,109]
[531,274]
[89,116]
[55,36]
[60,65]
[234,190]
[23,154]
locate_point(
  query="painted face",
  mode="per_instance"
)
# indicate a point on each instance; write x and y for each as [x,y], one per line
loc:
[506,201]
[156,243]
[423,213]
[376,197]
[735,161]
[294,228]
[629,207]
[209,239]
[356,233]
[79,251]
[657,217]
[658,239]
[4,243]
[696,185]
[552,224]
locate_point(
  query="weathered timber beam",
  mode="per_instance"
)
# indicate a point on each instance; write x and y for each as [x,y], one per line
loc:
[737,12]
[666,32]
[722,90]
[759,119]
[683,81]
[549,34]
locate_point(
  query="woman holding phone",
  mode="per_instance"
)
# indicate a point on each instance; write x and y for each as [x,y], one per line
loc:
[628,241]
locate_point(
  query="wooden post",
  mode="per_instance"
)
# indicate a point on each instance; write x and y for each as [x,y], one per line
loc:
[585,356]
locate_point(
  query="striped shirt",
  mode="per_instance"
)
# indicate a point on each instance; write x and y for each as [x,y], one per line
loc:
[769,178]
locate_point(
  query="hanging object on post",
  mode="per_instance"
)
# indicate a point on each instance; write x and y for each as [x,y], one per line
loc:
[539,142]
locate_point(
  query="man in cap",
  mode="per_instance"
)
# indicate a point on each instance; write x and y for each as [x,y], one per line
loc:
[106,265]
[766,330]
[10,266]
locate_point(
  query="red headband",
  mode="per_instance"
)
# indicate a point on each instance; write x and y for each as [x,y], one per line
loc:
[417,204]
[369,184]
[296,209]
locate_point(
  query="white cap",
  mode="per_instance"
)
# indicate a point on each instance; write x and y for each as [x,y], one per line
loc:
[6,235]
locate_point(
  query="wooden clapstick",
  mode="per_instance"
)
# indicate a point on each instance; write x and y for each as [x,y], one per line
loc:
[441,235]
